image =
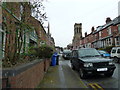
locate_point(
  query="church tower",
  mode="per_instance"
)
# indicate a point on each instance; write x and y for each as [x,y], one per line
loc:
[78,30]
[77,35]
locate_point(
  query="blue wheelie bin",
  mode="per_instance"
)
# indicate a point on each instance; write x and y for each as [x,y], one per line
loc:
[54,58]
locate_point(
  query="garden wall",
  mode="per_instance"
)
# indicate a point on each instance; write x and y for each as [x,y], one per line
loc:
[25,76]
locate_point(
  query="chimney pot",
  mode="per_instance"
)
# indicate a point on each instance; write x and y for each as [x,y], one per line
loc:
[108,19]
[92,29]
[85,34]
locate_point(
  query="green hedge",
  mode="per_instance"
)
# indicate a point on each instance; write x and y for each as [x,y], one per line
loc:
[44,51]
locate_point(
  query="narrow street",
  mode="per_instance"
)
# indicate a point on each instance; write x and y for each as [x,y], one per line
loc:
[71,79]
[34,33]
[105,82]
[61,76]
[101,80]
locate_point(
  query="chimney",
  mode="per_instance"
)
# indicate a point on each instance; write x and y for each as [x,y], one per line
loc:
[92,29]
[108,19]
[85,34]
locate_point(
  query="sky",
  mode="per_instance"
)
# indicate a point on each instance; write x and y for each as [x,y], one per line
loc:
[63,14]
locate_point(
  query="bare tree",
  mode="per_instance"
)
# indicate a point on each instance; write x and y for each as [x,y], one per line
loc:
[38,10]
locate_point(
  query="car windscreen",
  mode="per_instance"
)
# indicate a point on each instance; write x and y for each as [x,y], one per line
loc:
[88,53]
[102,52]
[67,51]
[118,51]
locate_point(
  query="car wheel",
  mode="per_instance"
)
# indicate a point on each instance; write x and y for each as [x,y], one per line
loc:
[82,74]
[116,59]
[73,67]
[108,74]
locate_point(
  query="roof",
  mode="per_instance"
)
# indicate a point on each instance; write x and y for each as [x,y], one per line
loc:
[116,20]
[107,25]
[113,22]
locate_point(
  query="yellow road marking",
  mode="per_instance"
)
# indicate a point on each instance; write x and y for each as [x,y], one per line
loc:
[95,86]
[98,86]
[92,86]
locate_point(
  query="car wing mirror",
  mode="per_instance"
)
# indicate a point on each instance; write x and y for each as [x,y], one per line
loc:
[102,55]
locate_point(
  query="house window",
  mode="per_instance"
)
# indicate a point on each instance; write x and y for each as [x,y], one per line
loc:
[1,52]
[21,11]
[117,41]
[104,42]
[119,28]
[109,30]
[1,43]
[109,41]
[100,34]
[95,36]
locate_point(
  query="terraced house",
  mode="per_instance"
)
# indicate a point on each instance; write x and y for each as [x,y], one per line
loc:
[107,35]
[103,36]
[20,29]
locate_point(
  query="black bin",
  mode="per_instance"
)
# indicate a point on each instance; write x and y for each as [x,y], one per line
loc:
[57,60]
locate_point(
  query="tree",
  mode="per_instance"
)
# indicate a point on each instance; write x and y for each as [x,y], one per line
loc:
[38,10]
[16,38]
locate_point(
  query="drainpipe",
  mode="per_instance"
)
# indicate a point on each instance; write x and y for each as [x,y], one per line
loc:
[24,43]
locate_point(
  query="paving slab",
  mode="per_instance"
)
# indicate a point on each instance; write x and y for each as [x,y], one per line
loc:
[61,76]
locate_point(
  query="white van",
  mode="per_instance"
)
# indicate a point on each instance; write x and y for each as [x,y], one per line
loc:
[115,54]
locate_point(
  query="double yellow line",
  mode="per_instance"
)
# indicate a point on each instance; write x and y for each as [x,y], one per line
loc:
[95,86]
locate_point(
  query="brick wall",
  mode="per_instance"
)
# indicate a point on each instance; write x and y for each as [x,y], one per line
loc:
[29,78]
[47,63]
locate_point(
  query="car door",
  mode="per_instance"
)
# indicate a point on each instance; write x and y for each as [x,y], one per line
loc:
[118,52]
[72,58]
[76,60]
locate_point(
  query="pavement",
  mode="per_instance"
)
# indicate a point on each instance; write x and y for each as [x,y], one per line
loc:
[61,76]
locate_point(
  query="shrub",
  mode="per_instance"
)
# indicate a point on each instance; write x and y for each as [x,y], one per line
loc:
[44,51]
[32,52]
[108,48]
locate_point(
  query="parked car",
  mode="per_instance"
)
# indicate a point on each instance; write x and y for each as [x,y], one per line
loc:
[89,61]
[115,54]
[104,53]
[66,54]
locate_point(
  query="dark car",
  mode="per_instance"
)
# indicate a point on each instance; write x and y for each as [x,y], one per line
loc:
[89,61]
[104,53]
[66,54]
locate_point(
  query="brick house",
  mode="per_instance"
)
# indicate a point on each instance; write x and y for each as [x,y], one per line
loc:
[108,34]
[13,13]
[105,35]
[17,21]
[9,26]
[116,32]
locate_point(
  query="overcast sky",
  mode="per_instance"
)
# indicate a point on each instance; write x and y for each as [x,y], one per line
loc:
[63,14]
